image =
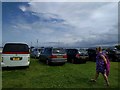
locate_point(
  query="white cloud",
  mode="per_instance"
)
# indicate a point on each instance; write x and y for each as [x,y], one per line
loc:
[23,8]
[87,23]
[60,0]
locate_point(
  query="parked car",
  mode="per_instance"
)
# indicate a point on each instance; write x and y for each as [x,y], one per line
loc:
[92,54]
[114,54]
[52,55]
[35,53]
[15,54]
[74,56]
[84,53]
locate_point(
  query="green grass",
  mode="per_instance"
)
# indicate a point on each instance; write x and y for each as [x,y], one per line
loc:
[39,75]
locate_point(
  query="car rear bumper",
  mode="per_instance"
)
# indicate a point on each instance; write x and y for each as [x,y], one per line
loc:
[80,60]
[58,61]
[4,65]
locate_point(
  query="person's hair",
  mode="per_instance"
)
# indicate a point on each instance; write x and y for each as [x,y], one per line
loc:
[99,48]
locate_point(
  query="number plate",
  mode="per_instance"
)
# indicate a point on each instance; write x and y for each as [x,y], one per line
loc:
[83,57]
[59,56]
[16,58]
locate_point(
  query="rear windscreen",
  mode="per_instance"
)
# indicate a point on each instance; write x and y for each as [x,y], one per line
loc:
[58,51]
[72,51]
[16,48]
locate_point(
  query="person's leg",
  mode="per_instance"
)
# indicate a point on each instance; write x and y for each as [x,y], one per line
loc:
[96,76]
[106,79]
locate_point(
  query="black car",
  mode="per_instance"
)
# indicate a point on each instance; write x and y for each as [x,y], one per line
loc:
[92,54]
[114,55]
[73,56]
[52,55]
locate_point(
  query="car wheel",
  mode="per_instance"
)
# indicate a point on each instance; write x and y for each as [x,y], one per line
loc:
[116,60]
[39,59]
[84,62]
[27,66]
[62,63]
[73,61]
[35,56]
[47,62]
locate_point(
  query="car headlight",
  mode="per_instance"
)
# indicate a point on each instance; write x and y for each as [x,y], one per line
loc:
[38,53]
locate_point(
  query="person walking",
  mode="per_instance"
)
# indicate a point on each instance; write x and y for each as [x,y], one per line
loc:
[102,65]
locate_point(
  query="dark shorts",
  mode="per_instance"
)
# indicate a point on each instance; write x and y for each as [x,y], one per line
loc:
[101,71]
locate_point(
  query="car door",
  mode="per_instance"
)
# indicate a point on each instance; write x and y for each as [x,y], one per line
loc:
[42,55]
[48,53]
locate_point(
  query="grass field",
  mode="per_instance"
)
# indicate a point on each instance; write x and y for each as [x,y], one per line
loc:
[39,75]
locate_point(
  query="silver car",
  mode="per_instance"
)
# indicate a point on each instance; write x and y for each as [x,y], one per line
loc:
[35,53]
[53,55]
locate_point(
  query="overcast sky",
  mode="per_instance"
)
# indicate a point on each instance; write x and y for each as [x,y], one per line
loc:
[81,24]
[0,24]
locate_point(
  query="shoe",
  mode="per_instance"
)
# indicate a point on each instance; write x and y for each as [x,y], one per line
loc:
[107,85]
[92,80]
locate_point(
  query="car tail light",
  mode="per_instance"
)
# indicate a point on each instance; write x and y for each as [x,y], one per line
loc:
[53,56]
[28,59]
[77,56]
[65,56]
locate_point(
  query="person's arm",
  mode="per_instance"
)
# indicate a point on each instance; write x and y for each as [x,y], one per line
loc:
[104,59]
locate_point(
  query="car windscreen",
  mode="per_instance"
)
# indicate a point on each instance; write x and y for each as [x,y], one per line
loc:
[16,48]
[58,51]
[40,50]
[91,51]
[83,51]
[72,51]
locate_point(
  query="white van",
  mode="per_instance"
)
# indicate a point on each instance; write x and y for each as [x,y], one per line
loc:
[15,54]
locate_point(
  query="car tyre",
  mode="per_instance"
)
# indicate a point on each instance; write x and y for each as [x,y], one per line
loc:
[84,62]
[73,61]
[27,66]
[39,59]
[47,62]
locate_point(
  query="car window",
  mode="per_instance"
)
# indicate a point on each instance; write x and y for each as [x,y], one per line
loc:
[47,51]
[35,49]
[39,50]
[16,48]
[42,51]
[58,51]
[72,51]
